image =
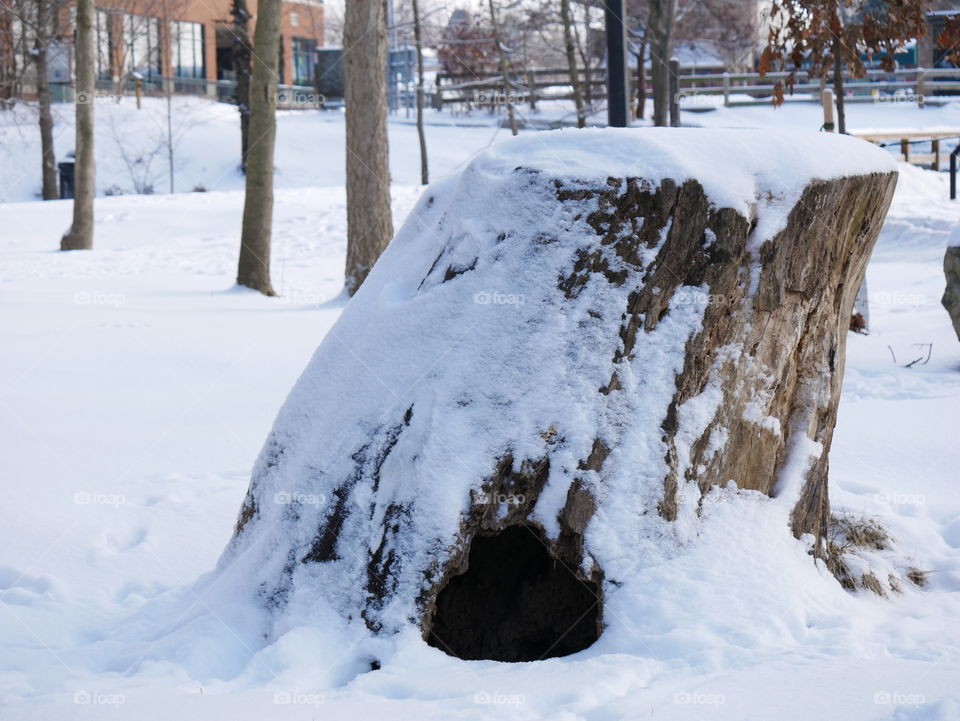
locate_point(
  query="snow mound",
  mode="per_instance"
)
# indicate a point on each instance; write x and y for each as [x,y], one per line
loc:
[462,347]
[735,167]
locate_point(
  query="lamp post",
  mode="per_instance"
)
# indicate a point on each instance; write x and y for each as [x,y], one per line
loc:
[617,82]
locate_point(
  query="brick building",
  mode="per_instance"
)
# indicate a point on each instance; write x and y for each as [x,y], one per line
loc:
[188,40]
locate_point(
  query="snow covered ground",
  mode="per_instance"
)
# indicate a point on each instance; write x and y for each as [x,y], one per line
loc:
[138,387]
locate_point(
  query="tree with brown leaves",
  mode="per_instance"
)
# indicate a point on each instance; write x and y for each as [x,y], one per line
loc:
[833,36]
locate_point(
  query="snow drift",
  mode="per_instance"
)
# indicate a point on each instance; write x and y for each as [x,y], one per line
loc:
[562,353]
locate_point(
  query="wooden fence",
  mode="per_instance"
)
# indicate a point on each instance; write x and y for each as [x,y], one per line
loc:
[915,85]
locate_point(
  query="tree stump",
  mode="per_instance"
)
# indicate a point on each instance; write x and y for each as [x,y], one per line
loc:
[563,350]
[951,269]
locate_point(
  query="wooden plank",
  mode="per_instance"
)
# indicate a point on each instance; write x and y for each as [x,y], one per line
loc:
[908,134]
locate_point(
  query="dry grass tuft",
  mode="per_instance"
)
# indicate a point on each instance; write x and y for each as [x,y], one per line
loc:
[847,534]
[870,582]
[863,532]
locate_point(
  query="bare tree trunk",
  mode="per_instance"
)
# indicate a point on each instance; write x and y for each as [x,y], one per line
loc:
[9,75]
[838,86]
[504,68]
[369,219]
[570,48]
[254,268]
[662,14]
[642,79]
[170,164]
[80,235]
[532,86]
[585,56]
[418,41]
[241,66]
[47,156]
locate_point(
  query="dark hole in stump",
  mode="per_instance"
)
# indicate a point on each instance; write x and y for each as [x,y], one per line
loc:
[515,602]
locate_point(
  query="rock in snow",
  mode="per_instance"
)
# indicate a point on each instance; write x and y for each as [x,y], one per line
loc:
[564,349]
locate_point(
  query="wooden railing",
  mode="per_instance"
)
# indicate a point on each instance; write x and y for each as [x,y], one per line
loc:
[908,137]
[224,91]
[917,85]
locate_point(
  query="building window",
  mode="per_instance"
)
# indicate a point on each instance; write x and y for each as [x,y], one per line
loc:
[304,60]
[141,45]
[294,20]
[186,40]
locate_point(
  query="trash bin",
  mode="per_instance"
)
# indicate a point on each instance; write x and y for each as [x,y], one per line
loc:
[66,178]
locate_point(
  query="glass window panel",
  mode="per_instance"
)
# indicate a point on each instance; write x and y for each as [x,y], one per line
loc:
[187,41]
[304,60]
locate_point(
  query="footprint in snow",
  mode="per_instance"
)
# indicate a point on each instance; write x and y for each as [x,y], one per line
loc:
[23,589]
[121,543]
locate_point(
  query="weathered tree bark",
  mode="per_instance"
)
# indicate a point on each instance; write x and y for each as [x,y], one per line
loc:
[241,66]
[662,15]
[663,344]
[254,267]
[47,155]
[369,219]
[80,235]
[418,42]
[951,296]
[504,68]
[570,47]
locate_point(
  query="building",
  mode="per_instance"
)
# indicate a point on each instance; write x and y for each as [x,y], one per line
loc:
[190,41]
[930,54]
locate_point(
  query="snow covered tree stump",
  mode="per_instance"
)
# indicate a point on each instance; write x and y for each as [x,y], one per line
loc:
[566,348]
[951,270]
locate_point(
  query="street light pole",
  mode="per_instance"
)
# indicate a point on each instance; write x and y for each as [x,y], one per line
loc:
[617,82]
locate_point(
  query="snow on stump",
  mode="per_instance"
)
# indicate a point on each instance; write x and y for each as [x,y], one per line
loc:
[564,351]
